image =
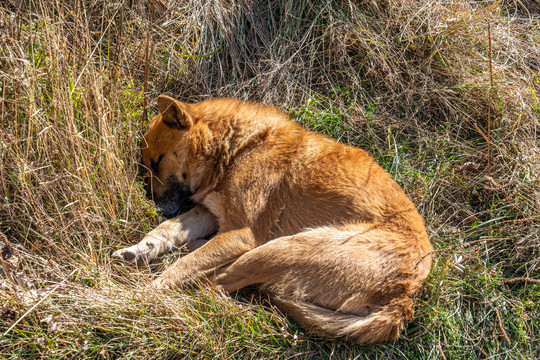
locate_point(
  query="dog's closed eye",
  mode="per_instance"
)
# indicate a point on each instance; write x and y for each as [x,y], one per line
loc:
[154,165]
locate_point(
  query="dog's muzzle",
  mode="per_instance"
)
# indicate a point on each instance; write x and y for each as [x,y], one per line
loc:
[175,201]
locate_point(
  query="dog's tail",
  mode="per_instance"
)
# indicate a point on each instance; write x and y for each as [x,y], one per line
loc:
[382,324]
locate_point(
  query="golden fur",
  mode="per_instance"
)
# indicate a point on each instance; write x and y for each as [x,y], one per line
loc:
[316,224]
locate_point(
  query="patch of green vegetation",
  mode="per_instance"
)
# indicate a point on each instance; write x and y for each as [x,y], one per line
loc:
[321,115]
[131,104]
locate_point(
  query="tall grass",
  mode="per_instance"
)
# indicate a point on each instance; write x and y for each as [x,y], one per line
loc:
[407,80]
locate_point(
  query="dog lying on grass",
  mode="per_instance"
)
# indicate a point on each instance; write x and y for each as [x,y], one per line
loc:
[316,224]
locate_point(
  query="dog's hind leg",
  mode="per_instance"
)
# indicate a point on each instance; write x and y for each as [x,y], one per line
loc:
[222,249]
[171,234]
[350,282]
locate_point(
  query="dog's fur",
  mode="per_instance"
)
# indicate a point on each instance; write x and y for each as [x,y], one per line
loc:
[316,224]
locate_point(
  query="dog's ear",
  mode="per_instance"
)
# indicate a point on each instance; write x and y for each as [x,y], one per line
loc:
[174,114]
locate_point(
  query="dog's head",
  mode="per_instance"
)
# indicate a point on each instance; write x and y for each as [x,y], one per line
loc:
[164,154]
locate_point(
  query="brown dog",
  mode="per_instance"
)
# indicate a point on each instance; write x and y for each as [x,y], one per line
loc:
[316,224]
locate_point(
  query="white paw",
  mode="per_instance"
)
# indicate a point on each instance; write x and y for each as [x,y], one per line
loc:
[129,255]
[142,253]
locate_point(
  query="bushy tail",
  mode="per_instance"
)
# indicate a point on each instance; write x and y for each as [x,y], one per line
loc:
[383,324]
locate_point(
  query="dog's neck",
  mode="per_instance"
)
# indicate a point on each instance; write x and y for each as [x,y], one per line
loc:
[217,150]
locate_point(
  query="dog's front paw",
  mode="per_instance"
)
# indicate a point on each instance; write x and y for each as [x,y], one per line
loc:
[145,251]
[161,284]
[167,280]
[131,255]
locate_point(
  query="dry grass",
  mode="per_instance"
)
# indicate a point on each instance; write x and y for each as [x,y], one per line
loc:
[408,80]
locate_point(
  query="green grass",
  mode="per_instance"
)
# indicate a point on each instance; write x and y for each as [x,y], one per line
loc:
[408,81]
